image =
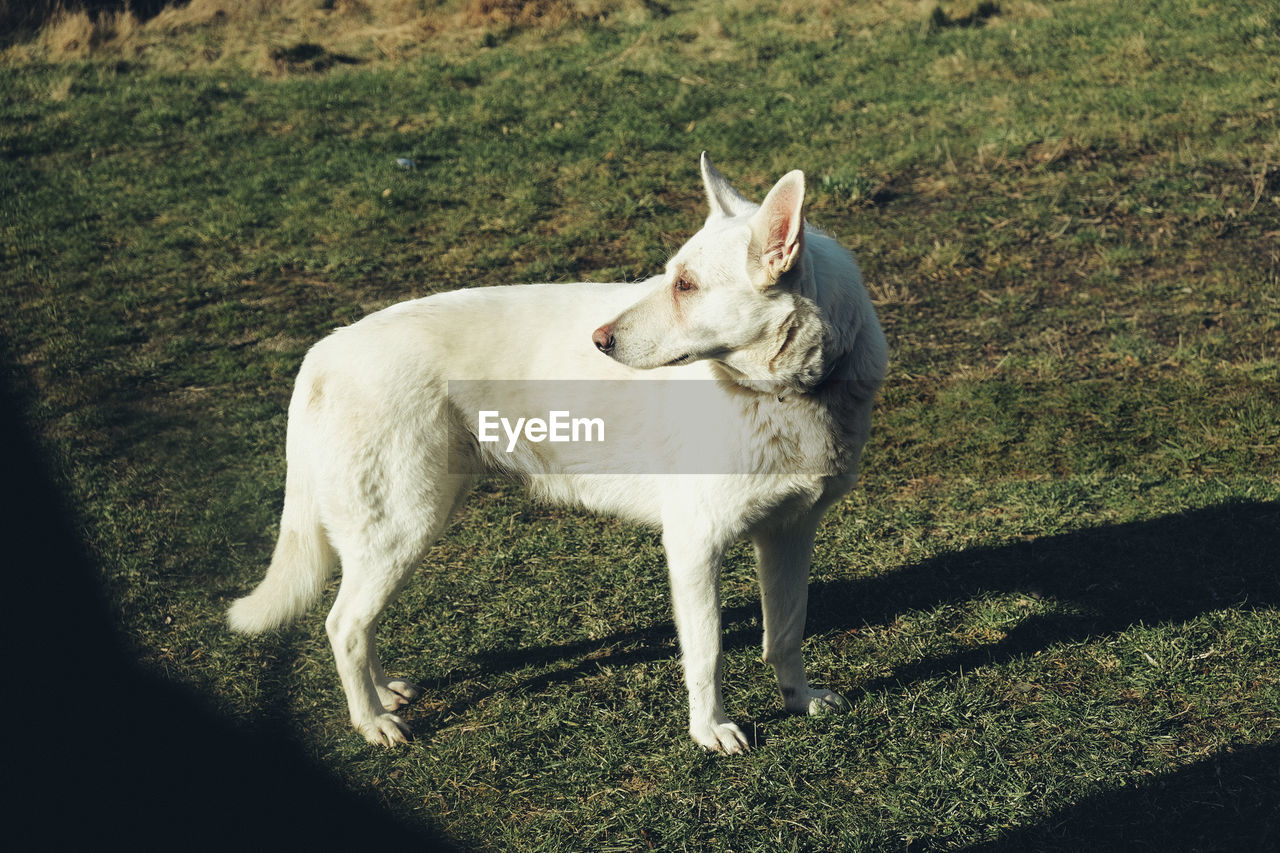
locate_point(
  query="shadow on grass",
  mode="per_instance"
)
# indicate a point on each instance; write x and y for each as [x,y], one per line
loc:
[102,750]
[1165,570]
[1229,803]
[1168,569]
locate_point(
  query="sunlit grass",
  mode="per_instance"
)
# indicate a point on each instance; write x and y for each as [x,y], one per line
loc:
[1052,599]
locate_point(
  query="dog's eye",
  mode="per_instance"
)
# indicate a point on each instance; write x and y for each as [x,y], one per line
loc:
[684,284]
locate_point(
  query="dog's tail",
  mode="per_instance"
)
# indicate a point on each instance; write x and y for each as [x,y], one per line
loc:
[303,562]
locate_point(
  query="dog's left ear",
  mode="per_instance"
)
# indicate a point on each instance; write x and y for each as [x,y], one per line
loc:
[777,229]
[723,199]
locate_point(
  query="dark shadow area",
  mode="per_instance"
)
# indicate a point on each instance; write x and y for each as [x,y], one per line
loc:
[1229,803]
[99,751]
[1169,569]
[307,56]
[976,17]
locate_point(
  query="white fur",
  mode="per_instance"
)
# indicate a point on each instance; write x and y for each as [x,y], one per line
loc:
[775,319]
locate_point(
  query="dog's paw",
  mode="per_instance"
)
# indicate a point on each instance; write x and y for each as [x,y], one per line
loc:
[721,737]
[827,702]
[386,730]
[395,694]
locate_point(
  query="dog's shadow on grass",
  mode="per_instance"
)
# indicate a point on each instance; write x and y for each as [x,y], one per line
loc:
[1227,802]
[1103,579]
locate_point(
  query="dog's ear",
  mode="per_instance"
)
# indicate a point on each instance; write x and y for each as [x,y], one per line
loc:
[777,229]
[723,198]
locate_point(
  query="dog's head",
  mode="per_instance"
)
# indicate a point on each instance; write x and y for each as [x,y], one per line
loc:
[730,293]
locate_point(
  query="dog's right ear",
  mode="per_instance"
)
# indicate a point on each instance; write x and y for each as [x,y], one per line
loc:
[777,230]
[724,199]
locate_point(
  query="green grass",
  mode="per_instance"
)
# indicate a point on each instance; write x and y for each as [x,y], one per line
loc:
[1053,600]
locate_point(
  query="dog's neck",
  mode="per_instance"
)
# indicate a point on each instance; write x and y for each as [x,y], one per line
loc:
[797,358]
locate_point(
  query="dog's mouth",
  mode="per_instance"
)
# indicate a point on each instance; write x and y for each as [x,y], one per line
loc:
[687,357]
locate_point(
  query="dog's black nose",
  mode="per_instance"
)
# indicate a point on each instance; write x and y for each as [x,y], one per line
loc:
[603,338]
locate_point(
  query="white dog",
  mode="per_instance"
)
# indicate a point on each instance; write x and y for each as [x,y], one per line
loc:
[394,418]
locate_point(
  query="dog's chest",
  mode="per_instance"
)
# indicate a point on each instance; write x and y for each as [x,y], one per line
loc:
[798,436]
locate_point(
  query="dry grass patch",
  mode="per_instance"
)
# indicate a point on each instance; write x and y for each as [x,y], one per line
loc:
[479,13]
[249,34]
[257,35]
[264,36]
[76,35]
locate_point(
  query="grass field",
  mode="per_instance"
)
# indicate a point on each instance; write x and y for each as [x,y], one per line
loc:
[1054,598]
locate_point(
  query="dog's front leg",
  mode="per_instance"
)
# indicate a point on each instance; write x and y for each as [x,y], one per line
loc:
[694,567]
[783,558]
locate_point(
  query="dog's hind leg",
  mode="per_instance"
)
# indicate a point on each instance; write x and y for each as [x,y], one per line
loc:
[784,555]
[379,554]
[368,585]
